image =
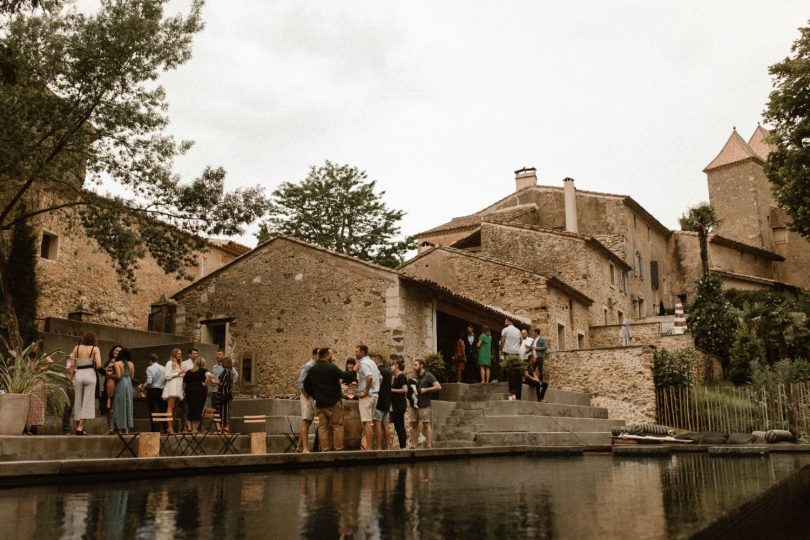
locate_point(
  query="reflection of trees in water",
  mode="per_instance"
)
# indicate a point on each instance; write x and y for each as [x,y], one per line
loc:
[697,488]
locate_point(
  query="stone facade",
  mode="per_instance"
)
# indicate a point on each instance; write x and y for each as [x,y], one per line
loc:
[527,294]
[286,297]
[73,272]
[618,379]
[607,336]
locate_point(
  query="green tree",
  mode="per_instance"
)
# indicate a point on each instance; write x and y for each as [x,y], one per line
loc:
[788,112]
[701,219]
[711,318]
[336,207]
[747,348]
[22,259]
[80,106]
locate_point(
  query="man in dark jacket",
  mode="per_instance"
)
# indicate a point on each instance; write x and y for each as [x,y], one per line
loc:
[323,385]
[382,412]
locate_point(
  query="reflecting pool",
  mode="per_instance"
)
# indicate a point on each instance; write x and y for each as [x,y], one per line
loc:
[592,496]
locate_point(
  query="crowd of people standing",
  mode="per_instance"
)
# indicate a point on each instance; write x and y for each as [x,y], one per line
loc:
[384,395]
[181,387]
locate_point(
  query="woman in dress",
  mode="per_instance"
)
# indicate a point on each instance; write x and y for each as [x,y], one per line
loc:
[108,385]
[226,391]
[460,359]
[196,380]
[122,396]
[484,345]
[173,389]
[87,359]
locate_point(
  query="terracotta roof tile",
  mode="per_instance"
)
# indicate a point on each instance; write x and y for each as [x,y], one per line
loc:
[759,142]
[734,151]
[473,220]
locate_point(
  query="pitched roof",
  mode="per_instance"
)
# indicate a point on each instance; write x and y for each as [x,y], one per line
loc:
[229,246]
[759,142]
[588,240]
[473,220]
[734,151]
[755,279]
[551,281]
[265,245]
[436,287]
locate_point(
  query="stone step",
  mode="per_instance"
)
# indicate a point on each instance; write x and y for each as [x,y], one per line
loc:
[459,421]
[467,414]
[529,423]
[277,425]
[543,439]
[456,435]
[508,408]
[554,395]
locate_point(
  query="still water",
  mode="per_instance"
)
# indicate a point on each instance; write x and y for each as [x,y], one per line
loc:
[593,496]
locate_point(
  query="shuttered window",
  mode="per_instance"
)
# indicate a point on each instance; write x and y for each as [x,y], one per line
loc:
[654,275]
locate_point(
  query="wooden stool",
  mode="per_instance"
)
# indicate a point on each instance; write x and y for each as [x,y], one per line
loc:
[258,440]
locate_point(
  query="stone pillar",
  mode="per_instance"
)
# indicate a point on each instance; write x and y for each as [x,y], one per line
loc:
[258,443]
[149,444]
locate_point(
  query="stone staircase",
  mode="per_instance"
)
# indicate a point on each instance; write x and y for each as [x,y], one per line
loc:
[483,416]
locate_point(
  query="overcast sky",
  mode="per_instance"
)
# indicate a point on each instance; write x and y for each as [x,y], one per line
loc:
[441,101]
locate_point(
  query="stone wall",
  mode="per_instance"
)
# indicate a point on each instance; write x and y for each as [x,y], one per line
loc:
[285,298]
[608,336]
[619,379]
[79,274]
[511,289]
[567,257]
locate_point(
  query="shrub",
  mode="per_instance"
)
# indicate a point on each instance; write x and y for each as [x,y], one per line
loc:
[437,365]
[711,319]
[674,370]
[782,372]
[747,348]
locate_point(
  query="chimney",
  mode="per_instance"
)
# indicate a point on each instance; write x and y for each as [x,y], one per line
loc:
[525,177]
[570,205]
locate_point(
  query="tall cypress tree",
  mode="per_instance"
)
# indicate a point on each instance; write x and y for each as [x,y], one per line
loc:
[21,279]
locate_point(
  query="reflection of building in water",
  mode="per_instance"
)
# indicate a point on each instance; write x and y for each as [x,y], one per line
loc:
[76,513]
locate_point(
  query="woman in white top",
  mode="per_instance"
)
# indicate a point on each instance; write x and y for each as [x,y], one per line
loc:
[173,389]
[85,359]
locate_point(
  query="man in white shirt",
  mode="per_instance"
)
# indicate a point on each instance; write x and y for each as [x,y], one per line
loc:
[510,347]
[307,405]
[368,388]
[155,381]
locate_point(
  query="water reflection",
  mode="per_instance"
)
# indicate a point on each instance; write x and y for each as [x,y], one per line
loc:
[522,497]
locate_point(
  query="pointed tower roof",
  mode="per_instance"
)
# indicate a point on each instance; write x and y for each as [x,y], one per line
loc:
[735,150]
[759,142]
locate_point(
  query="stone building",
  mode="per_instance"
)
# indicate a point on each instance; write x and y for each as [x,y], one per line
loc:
[609,250]
[74,275]
[271,306]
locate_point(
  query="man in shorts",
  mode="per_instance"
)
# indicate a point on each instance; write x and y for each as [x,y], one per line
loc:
[307,405]
[368,388]
[382,412]
[426,384]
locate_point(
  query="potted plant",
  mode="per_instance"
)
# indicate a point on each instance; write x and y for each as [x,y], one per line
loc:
[22,371]
[436,364]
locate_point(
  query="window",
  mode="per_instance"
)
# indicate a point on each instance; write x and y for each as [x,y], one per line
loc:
[638,267]
[571,312]
[215,332]
[642,312]
[605,313]
[623,281]
[561,337]
[580,340]
[49,248]
[620,315]
[654,275]
[246,373]
[612,274]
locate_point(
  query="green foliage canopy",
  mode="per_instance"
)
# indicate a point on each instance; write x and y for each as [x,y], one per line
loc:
[711,318]
[336,207]
[788,112]
[81,105]
[674,370]
[701,219]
